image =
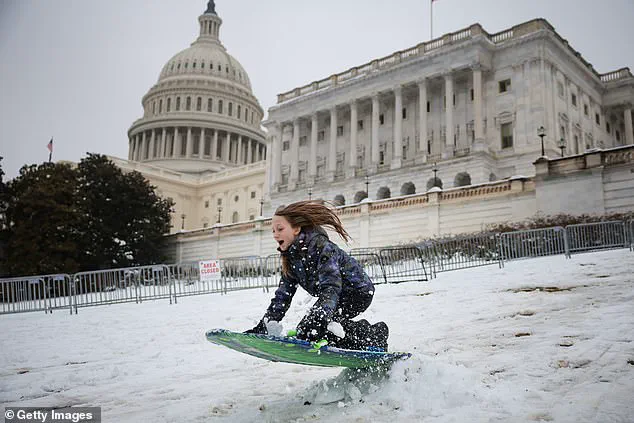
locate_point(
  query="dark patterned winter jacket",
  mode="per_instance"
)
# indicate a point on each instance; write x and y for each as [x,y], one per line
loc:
[323,269]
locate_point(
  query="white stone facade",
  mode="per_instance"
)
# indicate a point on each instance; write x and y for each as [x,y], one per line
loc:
[200,140]
[469,102]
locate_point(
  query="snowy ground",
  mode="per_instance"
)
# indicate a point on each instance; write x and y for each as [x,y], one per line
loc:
[488,347]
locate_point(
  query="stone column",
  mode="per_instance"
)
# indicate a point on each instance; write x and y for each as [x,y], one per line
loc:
[188,147]
[249,152]
[227,147]
[350,171]
[375,131]
[214,146]
[312,162]
[479,142]
[276,156]
[449,130]
[130,147]
[175,142]
[629,132]
[143,148]
[294,156]
[163,141]
[152,145]
[397,157]
[422,119]
[201,143]
[332,145]
[239,158]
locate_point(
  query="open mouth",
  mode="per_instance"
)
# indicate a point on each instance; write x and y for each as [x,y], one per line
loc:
[280,242]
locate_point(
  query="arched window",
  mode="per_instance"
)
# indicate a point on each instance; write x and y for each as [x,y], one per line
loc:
[360,195]
[230,108]
[169,104]
[408,188]
[339,200]
[154,107]
[188,104]
[199,104]
[209,104]
[462,179]
[383,192]
[178,103]
[160,106]
[434,182]
[492,177]
[235,217]
[239,111]
[220,106]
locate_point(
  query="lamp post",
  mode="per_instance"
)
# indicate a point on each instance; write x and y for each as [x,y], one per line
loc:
[562,145]
[183,221]
[219,211]
[261,204]
[541,133]
[310,193]
[367,186]
[434,169]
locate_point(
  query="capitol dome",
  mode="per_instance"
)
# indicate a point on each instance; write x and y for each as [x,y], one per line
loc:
[201,116]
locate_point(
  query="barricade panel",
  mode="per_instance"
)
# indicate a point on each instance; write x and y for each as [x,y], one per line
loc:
[463,252]
[596,236]
[403,264]
[533,243]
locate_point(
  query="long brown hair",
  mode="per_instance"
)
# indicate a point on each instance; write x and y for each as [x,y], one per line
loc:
[308,215]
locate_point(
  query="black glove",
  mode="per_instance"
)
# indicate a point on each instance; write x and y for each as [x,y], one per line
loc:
[313,326]
[260,328]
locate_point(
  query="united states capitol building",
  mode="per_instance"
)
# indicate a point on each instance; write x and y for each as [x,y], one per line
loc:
[443,137]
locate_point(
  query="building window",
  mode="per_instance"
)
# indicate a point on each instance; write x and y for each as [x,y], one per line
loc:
[188,103]
[428,146]
[284,178]
[194,65]
[320,170]
[252,194]
[454,99]
[210,103]
[246,114]
[560,89]
[573,99]
[178,103]
[301,175]
[506,130]
[504,86]
[597,119]
[428,107]
[286,145]
[381,119]
[404,113]
[360,125]
[381,157]
[199,103]
[186,64]
[618,136]
[230,108]
[471,94]
[239,112]
[236,198]
[444,102]
[251,217]
[161,106]
[205,225]
[169,104]
[320,135]
[220,106]
[235,217]
[154,107]
[252,117]
[607,127]
[303,140]
[206,204]
[219,202]
[339,130]
[585,109]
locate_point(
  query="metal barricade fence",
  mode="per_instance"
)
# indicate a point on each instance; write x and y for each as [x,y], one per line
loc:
[534,243]
[241,273]
[596,236]
[132,284]
[271,271]
[371,263]
[630,226]
[403,264]
[187,281]
[463,252]
[36,293]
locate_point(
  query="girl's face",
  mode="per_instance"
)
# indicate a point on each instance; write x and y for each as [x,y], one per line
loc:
[283,233]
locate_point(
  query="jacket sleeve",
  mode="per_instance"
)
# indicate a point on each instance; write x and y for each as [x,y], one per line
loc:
[282,299]
[330,283]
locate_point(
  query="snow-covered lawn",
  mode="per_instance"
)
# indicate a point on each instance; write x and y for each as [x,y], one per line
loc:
[488,346]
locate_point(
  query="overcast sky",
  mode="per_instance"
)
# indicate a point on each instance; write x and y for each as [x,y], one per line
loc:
[76,70]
